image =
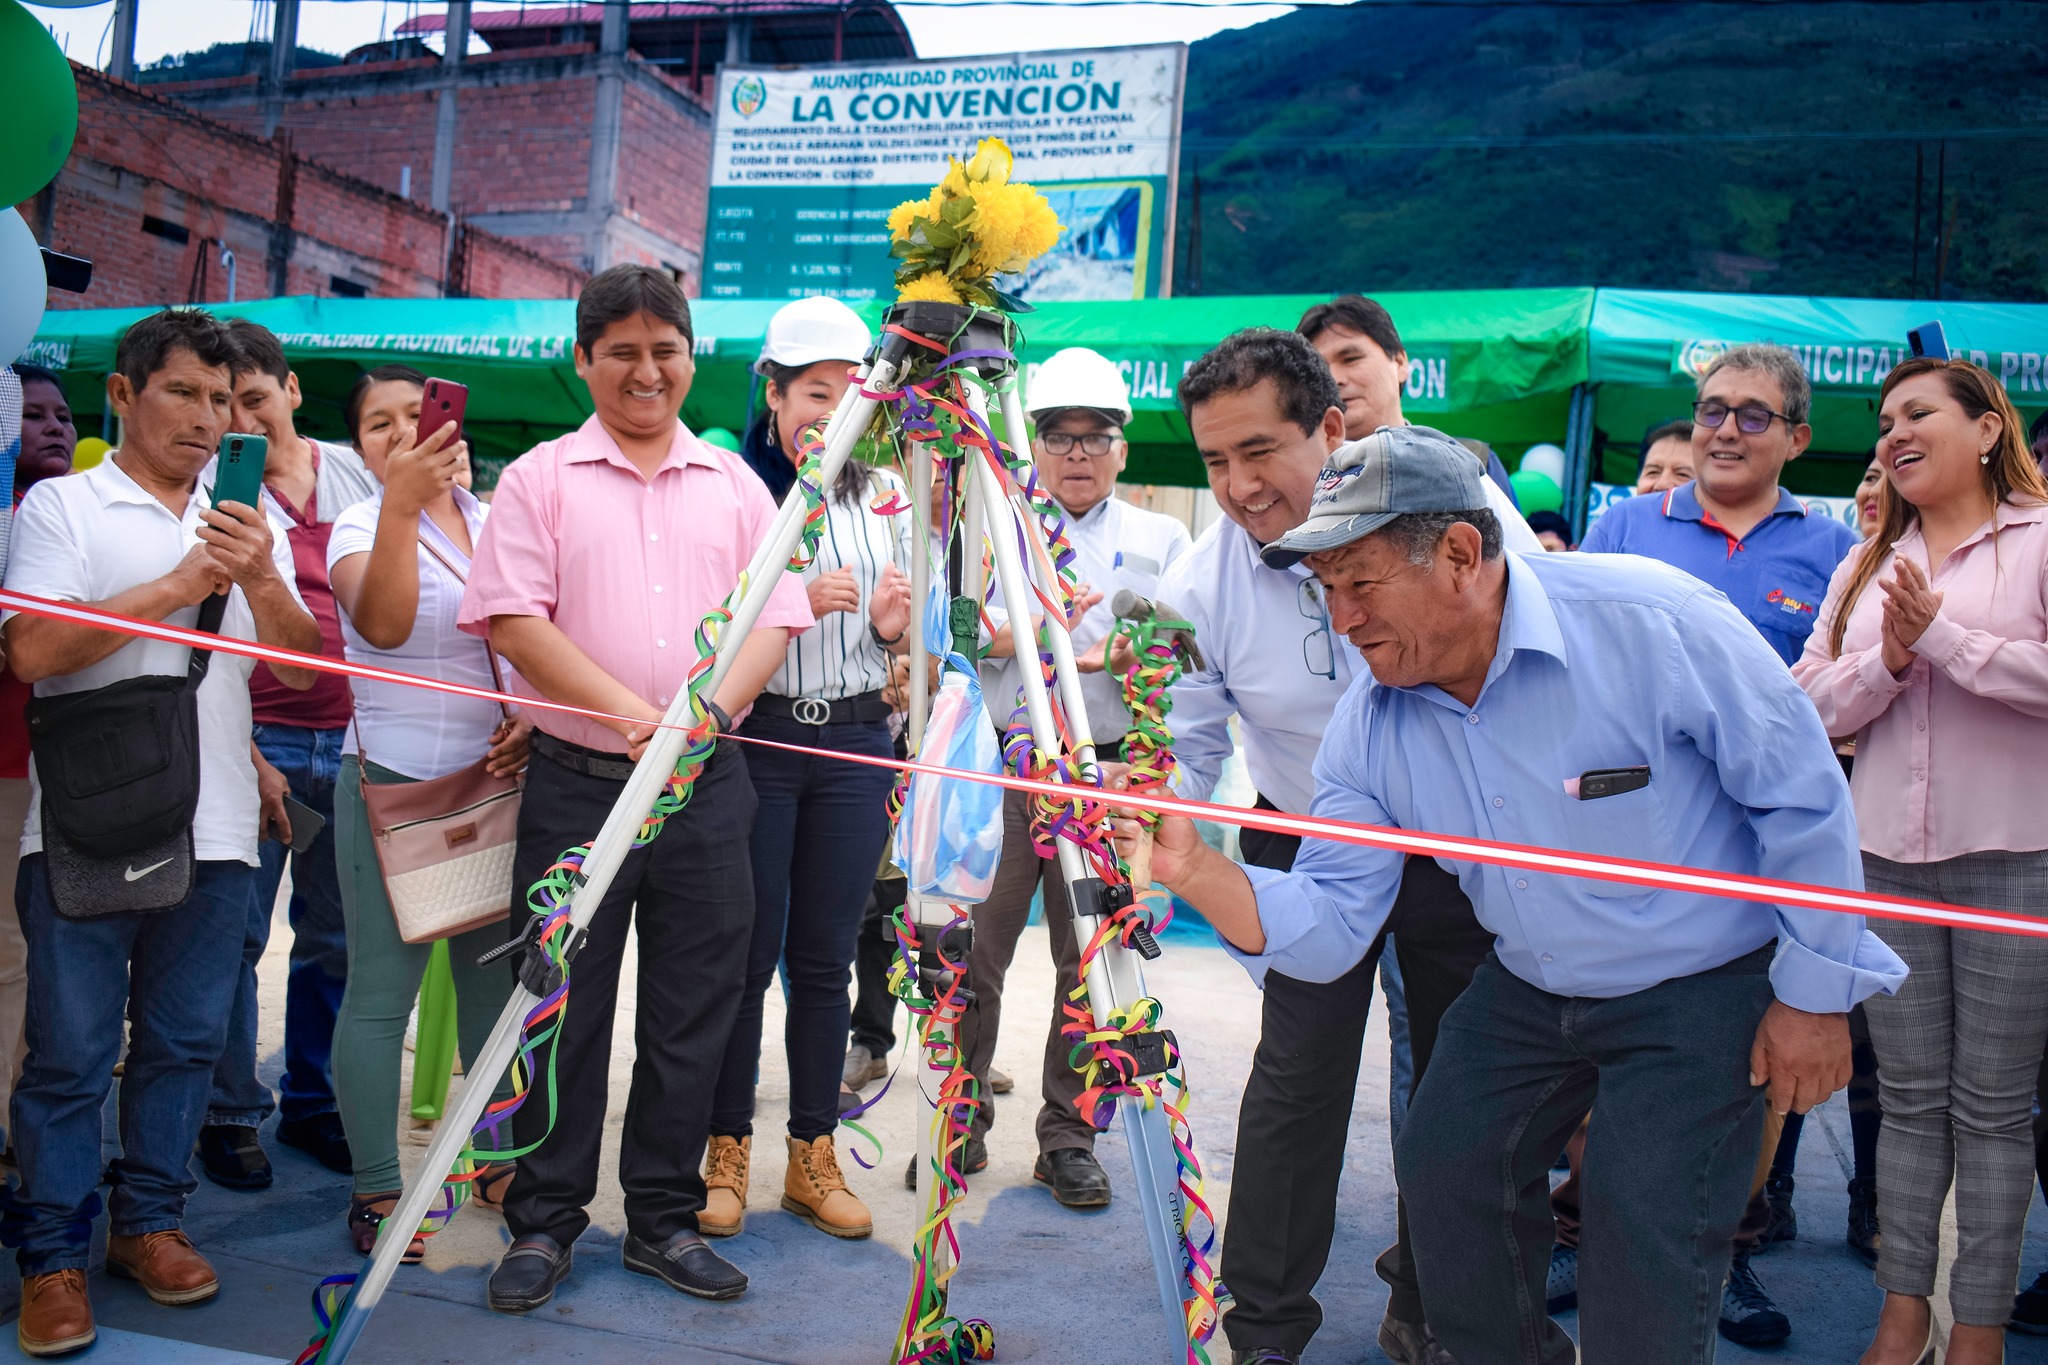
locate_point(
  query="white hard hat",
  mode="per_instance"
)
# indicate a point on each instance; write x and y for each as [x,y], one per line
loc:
[814,329]
[1080,378]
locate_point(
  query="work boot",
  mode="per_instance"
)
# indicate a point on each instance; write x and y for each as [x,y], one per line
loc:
[1864,1235]
[1076,1177]
[1748,1317]
[1783,1223]
[725,1186]
[165,1264]
[814,1190]
[56,1315]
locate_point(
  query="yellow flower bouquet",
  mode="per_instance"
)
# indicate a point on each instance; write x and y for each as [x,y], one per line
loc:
[976,224]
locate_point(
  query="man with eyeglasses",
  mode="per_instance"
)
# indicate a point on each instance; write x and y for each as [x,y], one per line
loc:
[1735,528]
[1079,405]
[1267,414]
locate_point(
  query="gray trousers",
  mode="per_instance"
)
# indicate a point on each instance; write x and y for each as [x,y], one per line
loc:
[1958,1050]
[997,923]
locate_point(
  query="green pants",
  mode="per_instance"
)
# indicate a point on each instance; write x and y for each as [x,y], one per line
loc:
[384,975]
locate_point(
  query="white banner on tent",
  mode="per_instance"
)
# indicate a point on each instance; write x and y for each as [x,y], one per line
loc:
[1605,495]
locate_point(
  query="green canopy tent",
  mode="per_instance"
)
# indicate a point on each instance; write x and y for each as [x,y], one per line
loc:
[1647,347]
[1497,365]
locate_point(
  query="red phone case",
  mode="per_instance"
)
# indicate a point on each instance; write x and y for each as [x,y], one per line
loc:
[444,401]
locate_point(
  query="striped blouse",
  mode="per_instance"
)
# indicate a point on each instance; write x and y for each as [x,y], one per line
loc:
[838,658]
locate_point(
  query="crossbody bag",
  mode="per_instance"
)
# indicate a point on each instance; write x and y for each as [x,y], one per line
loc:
[445,845]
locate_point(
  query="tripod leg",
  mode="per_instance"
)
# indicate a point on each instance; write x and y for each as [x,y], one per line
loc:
[1112,979]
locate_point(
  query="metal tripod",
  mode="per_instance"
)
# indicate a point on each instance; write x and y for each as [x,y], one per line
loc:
[1115,978]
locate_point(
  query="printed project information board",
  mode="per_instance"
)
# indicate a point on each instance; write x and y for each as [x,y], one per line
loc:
[808,161]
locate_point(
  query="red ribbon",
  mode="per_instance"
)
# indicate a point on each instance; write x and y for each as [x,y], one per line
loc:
[1458,848]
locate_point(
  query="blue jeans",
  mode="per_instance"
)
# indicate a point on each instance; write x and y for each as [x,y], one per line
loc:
[172,974]
[310,761]
[817,839]
[1668,1167]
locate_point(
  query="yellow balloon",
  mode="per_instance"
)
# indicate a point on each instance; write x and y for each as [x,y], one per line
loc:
[90,452]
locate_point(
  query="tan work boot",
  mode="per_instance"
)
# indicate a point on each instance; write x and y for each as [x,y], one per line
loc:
[165,1264]
[725,1186]
[56,1315]
[814,1190]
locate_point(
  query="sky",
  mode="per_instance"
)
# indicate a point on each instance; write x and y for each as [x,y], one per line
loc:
[165,27]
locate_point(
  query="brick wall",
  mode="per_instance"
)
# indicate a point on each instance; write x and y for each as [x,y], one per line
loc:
[495,267]
[665,169]
[154,188]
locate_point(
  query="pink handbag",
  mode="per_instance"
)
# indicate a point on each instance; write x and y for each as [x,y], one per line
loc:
[445,845]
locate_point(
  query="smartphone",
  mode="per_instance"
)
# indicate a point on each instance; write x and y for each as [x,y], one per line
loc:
[1928,340]
[306,823]
[1599,782]
[238,474]
[444,403]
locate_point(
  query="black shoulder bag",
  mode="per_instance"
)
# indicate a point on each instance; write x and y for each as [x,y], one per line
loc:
[119,771]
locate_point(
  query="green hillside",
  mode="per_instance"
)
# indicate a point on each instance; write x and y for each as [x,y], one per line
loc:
[1723,147]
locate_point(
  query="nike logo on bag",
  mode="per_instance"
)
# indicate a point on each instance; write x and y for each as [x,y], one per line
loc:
[132,875]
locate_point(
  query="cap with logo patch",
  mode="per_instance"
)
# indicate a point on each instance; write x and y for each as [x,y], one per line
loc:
[1369,482]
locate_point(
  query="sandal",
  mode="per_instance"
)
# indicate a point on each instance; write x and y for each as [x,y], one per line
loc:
[493,1182]
[367,1212]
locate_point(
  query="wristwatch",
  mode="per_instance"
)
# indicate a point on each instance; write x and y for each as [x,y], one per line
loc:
[718,717]
[877,637]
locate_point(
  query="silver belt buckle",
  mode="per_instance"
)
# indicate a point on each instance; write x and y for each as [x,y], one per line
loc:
[811,711]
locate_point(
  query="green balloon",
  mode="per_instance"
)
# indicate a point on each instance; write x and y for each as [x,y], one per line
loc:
[41,105]
[720,437]
[1536,491]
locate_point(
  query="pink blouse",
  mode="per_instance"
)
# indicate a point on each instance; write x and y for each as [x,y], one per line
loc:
[1953,757]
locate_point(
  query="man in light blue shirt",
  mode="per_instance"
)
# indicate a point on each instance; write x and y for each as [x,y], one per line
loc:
[1602,704]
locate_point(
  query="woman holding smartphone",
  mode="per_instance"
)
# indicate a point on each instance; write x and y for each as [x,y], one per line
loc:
[397,563]
[822,821]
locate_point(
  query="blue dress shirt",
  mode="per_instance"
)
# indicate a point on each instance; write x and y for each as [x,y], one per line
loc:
[1776,576]
[1603,662]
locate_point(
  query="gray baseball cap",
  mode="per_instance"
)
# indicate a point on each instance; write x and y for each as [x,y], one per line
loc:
[1369,482]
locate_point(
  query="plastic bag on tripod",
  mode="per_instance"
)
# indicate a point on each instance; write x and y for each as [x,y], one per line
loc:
[950,837]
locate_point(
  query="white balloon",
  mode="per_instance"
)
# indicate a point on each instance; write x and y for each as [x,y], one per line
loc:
[23,287]
[1545,459]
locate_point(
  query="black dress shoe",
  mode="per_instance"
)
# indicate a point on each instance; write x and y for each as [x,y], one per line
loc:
[686,1262]
[320,1137]
[1076,1177]
[973,1158]
[1265,1355]
[233,1157]
[526,1278]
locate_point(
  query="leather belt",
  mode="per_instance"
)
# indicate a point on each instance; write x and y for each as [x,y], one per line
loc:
[866,708]
[612,767]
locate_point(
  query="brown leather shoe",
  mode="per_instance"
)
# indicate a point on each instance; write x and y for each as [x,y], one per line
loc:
[165,1265]
[56,1315]
[814,1190]
[726,1168]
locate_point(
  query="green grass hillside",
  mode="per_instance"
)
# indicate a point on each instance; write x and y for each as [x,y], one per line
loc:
[1724,147]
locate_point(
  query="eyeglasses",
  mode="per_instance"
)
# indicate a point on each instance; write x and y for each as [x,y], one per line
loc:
[1318,650]
[1752,419]
[1096,443]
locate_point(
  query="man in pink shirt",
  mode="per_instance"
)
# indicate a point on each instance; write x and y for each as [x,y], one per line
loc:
[603,552]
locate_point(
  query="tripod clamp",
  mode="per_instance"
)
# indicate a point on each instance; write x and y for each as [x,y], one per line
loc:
[943,961]
[1095,898]
[537,972]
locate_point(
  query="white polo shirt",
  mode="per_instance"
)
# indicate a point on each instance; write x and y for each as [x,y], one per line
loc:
[1116,546]
[1254,626]
[91,536]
